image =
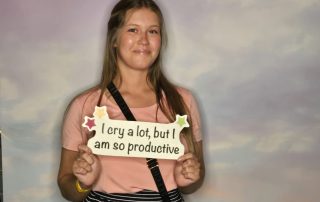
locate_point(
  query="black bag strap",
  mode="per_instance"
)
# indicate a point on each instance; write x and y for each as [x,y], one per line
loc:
[152,163]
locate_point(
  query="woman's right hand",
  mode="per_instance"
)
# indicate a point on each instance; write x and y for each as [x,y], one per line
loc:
[86,167]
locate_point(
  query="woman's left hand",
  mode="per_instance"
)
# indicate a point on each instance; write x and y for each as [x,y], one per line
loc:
[187,170]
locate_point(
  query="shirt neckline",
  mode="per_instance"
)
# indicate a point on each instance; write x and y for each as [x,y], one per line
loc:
[109,102]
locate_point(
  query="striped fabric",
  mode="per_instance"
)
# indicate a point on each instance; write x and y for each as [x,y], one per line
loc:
[145,195]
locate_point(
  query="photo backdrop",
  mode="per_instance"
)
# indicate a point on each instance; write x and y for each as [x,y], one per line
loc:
[253,65]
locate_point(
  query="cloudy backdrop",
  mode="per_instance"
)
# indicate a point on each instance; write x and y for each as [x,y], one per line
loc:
[253,65]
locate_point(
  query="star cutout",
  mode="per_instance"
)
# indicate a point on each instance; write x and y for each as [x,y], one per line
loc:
[100,112]
[182,120]
[89,123]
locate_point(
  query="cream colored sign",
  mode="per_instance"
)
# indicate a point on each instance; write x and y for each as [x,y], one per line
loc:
[135,138]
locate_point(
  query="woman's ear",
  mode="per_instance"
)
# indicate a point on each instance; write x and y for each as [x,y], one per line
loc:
[115,43]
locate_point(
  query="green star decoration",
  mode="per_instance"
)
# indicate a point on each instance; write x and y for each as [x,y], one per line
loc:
[182,121]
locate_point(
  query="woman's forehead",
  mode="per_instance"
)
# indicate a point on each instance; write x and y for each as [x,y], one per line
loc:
[142,16]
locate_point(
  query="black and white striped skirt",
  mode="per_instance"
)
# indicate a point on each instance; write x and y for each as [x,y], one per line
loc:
[145,195]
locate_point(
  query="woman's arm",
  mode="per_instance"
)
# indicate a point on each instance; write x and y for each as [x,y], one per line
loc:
[190,170]
[66,178]
[82,167]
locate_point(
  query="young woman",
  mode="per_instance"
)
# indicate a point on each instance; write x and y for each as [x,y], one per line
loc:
[133,59]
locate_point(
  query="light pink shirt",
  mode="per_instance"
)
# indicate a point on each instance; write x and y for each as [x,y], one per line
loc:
[123,174]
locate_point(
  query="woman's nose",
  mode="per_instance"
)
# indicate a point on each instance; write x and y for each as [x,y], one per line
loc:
[144,38]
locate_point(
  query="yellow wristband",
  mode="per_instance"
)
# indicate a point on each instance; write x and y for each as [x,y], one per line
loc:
[79,188]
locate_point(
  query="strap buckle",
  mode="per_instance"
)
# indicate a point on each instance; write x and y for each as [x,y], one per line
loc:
[152,163]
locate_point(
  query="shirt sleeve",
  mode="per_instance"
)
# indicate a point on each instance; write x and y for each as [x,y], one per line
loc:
[192,105]
[72,135]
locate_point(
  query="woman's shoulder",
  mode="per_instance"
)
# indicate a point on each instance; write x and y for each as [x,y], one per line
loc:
[88,96]
[187,96]
[185,93]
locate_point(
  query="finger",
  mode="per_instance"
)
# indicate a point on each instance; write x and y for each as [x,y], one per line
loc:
[80,171]
[77,169]
[188,162]
[191,163]
[89,158]
[190,169]
[82,166]
[190,166]
[186,157]
[84,149]
[191,174]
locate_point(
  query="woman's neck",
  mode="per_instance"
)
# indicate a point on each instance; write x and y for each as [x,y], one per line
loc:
[136,90]
[133,81]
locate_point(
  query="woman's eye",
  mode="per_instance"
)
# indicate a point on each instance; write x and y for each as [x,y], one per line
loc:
[132,30]
[154,31]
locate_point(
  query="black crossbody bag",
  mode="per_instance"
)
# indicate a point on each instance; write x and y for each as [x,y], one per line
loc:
[152,163]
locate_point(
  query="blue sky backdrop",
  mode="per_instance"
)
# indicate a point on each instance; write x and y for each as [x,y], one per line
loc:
[253,65]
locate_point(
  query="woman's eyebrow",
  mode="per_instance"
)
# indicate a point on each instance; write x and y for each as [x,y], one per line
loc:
[132,24]
[158,26]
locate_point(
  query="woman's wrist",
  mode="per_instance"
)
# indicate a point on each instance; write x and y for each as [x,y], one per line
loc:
[80,187]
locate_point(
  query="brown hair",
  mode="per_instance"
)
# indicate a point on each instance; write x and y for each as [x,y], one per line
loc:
[173,103]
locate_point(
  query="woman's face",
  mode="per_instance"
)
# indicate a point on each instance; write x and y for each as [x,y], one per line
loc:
[139,40]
